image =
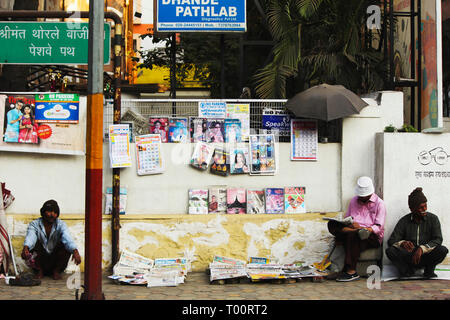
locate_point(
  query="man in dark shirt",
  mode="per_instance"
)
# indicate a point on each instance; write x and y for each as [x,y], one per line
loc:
[416,241]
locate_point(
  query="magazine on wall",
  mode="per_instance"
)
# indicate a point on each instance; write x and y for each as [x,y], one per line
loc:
[274,200]
[198,128]
[240,111]
[233,130]
[219,163]
[160,126]
[255,201]
[178,129]
[294,200]
[198,201]
[238,158]
[262,154]
[236,201]
[202,155]
[217,199]
[149,154]
[215,130]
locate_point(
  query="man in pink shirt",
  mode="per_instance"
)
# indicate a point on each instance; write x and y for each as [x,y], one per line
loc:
[363,226]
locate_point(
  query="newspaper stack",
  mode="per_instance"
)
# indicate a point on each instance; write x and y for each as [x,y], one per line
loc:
[226,268]
[167,272]
[259,271]
[131,268]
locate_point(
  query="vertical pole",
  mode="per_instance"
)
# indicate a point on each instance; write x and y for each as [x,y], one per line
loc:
[173,72]
[419,65]
[94,155]
[413,61]
[115,223]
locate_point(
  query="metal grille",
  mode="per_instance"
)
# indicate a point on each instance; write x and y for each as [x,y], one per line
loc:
[138,111]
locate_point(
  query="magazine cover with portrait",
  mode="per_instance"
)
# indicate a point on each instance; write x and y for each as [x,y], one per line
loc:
[198,127]
[178,130]
[236,201]
[217,199]
[215,131]
[238,159]
[160,126]
[19,123]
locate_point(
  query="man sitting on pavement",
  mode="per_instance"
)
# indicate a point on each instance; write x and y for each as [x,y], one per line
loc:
[48,244]
[416,241]
[367,213]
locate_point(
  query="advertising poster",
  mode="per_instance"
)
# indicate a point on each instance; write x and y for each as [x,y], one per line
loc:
[276,122]
[241,112]
[25,128]
[57,108]
[304,139]
[149,154]
[212,109]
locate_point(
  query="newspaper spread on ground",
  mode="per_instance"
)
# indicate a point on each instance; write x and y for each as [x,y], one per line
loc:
[226,268]
[138,270]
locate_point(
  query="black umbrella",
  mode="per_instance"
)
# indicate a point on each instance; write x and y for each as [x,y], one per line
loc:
[325,102]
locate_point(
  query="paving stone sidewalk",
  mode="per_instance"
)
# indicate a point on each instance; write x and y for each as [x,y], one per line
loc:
[198,287]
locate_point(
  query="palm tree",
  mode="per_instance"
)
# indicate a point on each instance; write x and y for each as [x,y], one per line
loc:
[319,41]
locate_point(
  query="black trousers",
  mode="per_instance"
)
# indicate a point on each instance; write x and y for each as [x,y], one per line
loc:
[55,261]
[352,243]
[402,259]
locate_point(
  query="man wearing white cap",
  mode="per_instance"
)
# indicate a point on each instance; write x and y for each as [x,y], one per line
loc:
[364,227]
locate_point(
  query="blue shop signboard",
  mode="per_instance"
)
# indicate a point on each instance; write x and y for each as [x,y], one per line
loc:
[201,16]
[276,120]
[57,108]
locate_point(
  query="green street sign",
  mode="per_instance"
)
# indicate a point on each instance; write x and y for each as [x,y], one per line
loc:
[48,43]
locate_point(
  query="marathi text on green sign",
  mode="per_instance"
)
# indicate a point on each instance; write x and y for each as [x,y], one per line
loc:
[48,43]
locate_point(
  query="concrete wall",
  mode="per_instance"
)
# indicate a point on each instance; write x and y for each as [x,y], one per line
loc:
[400,171]
[156,223]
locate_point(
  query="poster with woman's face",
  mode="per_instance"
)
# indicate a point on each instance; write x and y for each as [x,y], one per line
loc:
[19,123]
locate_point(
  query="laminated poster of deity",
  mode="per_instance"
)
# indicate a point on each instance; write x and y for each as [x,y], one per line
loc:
[236,201]
[160,126]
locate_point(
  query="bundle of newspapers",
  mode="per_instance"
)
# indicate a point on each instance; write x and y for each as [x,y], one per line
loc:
[226,268]
[138,270]
[258,268]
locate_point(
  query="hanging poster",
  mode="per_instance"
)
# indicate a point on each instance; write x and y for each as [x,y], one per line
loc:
[212,109]
[219,164]
[242,112]
[294,200]
[262,154]
[304,139]
[119,146]
[57,108]
[160,126]
[149,154]
[21,131]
